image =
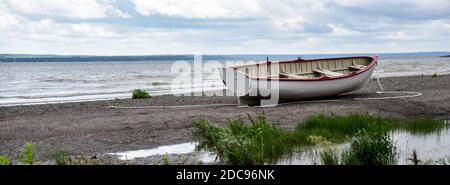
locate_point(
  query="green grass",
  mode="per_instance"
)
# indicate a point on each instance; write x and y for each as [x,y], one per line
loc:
[260,142]
[255,143]
[28,154]
[337,127]
[165,160]
[329,157]
[422,125]
[140,94]
[328,154]
[368,148]
[4,161]
[371,148]
[61,157]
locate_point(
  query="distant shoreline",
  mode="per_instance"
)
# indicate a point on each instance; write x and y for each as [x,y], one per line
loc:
[190,57]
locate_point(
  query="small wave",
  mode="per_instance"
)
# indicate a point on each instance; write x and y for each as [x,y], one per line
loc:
[165,75]
[69,80]
[157,83]
[44,96]
[52,79]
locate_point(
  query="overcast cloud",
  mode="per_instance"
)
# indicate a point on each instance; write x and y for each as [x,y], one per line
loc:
[129,27]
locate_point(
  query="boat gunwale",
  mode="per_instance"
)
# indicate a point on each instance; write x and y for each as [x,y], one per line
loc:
[323,78]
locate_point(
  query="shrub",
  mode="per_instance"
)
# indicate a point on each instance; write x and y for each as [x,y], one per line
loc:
[328,154]
[139,94]
[61,158]
[255,143]
[3,161]
[329,157]
[165,160]
[28,154]
[371,148]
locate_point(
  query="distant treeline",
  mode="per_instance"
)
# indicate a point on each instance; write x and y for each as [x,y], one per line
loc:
[46,58]
[93,58]
[86,58]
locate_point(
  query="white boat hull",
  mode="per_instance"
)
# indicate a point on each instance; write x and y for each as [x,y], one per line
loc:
[314,89]
[254,89]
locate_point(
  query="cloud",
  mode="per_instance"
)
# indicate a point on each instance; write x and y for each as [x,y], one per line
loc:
[398,9]
[220,26]
[71,9]
[198,8]
[6,19]
[286,15]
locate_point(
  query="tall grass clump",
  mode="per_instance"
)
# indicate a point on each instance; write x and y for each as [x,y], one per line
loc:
[61,157]
[371,148]
[328,153]
[28,154]
[256,143]
[422,125]
[339,127]
[140,94]
[329,157]
[3,160]
[165,160]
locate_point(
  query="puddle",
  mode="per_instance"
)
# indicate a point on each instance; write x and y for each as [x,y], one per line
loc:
[302,158]
[428,147]
[183,148]
[308,156]
[207,157]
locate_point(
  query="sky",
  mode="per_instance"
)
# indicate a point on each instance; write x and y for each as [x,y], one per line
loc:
[145,27]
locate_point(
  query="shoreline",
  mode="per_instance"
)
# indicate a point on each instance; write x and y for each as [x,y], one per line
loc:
[89,128]
[169,94]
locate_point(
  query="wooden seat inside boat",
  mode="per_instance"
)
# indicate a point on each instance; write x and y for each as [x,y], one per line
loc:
[356,67]
[289,75]
[327,73]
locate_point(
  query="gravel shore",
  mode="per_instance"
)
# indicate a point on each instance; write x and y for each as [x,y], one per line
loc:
[91,128]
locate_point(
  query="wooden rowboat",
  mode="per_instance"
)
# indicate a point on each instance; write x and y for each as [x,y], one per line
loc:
[298,79]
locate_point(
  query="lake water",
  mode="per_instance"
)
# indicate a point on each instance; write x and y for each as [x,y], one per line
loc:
[53,82]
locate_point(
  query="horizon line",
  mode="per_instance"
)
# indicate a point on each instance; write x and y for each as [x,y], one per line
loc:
[230,54]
